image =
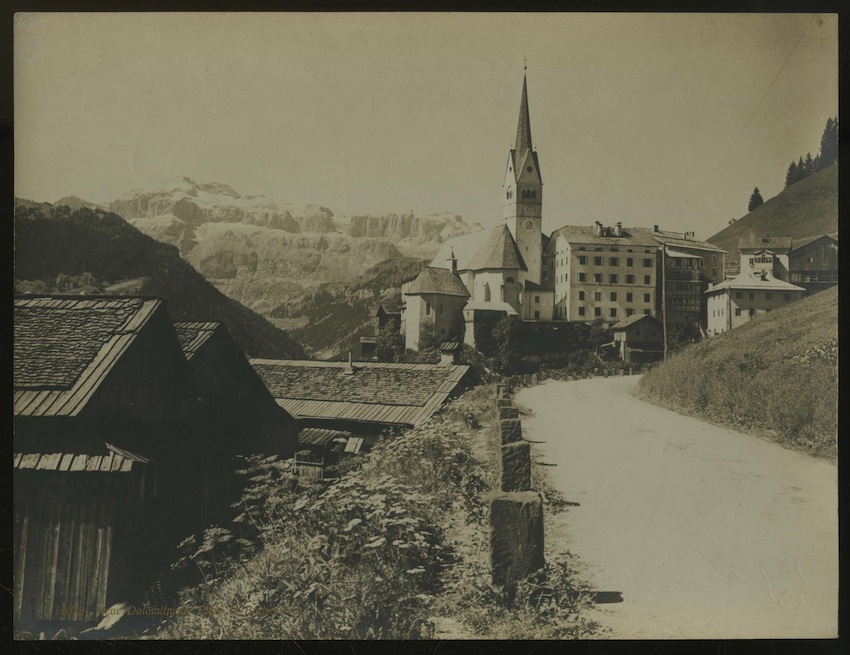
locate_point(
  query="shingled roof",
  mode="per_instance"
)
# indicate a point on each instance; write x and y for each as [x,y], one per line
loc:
[747,280]
[774,244]
[586,234]
[65,346]
[194,334]
[498,252]
[437,280]
[376,392]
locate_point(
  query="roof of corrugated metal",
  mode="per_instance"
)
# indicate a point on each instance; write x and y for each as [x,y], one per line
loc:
[377,392]
[65,346]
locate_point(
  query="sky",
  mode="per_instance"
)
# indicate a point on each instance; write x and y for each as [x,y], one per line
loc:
[668,119]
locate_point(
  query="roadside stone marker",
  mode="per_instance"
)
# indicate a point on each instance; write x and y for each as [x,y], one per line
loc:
[508,412]
[500,388]
[516,466]
[511,430]
[503,402]
[516,535]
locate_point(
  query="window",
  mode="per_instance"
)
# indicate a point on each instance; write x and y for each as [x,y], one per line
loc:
[582,259]
[537,299]
[509,280]
[737,311]
[647,263]
[752,312]
[613,311]
[613,279]
[768,296]
[613,296]
[581,295]
[582,248]
[582,277]
[536,314]
[646,312]
[647,279]
[597,277]
[597,261]
[738,295]
[614,261]
[751,295]
[442,331]
[646,297]
[629,296]
[630,312]
[630,261]
[630,279]
[427,308]
[597,295]
[581,311]
[597,311]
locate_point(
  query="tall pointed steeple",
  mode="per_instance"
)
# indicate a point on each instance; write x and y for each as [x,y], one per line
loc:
[523,130]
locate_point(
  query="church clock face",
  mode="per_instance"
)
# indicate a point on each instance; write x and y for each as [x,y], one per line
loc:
[528,224]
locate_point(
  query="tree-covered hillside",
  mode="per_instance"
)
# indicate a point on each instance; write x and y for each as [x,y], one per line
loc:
[57,242]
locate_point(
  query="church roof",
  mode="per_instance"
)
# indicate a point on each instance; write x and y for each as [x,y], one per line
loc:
[437,280]
[498,252]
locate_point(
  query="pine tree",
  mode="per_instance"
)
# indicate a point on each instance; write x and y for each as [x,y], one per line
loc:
[829,143]
[755,200]
[809,164]
[791,175]
[801,170]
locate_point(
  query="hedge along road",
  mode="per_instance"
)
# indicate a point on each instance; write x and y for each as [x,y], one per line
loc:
[706,532]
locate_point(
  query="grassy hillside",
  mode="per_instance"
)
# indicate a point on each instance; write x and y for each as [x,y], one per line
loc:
[807,208]
[338,315]
[776,376]
[60,241]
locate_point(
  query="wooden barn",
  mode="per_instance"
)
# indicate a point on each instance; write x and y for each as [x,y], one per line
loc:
[363,398]
[639,339]
[237,401]
[813,264]
[114,461]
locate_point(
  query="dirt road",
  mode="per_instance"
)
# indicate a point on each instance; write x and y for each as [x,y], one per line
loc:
[706,532]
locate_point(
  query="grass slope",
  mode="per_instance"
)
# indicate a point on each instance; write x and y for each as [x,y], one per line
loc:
[50,241]
[776,376]
[805,209]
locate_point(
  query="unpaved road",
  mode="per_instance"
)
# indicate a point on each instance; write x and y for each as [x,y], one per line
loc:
[706,532]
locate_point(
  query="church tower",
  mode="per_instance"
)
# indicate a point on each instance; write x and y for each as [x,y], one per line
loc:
[522,194]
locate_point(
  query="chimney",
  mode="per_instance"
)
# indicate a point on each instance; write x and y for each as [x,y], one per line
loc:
[349,370]
[655,228]
[619,229]
[453,260]
[597,228]
[448,353]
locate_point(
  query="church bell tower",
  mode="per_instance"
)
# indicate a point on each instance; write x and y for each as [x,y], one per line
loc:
[522,194]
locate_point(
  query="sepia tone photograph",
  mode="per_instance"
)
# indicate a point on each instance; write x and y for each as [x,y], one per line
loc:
[301,353]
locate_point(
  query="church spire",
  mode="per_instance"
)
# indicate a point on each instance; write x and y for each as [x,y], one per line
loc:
[523,130]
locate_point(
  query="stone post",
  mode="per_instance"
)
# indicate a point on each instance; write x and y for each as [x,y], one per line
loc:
[516,536]
[508,412]
[516,466]
[511,430]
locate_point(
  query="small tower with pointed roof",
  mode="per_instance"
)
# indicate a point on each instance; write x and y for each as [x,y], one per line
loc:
[522,194]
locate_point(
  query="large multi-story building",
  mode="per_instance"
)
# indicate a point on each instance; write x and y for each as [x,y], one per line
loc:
[578,273]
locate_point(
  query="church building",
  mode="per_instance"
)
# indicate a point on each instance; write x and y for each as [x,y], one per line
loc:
[578,273]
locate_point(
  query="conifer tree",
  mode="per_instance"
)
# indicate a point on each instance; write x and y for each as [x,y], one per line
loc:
[755,200]
[791,175]
[801,170]
[809,164]
[829,143]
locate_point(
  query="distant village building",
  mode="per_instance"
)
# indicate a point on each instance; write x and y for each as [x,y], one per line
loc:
[639,339]
[113,461]
[433,306]
[737,301]
[360,398]
[577,273]
[813,263]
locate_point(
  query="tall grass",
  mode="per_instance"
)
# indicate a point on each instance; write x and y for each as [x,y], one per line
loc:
[776,376]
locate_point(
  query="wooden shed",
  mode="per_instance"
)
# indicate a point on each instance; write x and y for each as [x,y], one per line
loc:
[639,338]
[238,403]
[114,464]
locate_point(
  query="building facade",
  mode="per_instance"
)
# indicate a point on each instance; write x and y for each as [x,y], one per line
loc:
[734,302]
